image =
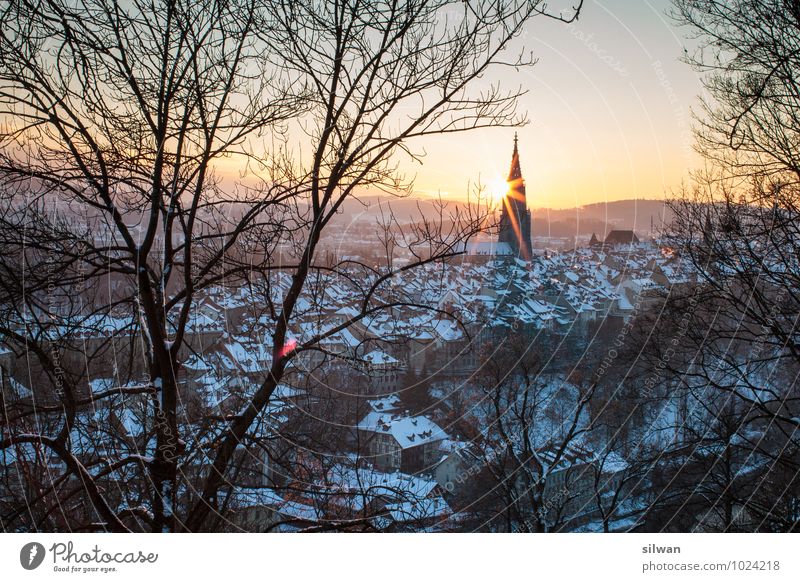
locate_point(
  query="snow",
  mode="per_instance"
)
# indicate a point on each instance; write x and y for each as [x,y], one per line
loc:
[390,403]
[448,330]
[422,509]
[379,358]
[408,431]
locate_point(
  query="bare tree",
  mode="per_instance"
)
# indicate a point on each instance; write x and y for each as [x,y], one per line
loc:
[153,152]
[746,52]
[738,227]
[533,425]
[723,347]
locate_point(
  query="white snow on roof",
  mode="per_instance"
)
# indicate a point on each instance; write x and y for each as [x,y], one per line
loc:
[390,403]
[420,509]
[379,358]
[408,431]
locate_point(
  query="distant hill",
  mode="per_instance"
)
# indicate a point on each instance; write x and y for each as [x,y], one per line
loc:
[599,218]
[404,209]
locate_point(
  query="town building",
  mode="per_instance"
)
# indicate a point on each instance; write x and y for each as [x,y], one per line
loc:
[515,221]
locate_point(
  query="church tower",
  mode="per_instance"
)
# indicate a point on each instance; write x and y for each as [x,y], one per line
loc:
[515,221]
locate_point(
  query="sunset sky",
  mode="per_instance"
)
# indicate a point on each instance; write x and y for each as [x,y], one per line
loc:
[609,105]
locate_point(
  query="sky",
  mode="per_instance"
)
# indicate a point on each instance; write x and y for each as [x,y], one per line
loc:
[609,105]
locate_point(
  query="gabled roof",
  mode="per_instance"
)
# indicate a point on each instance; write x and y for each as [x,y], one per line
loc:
[387,404]
[379,358]
[408,431]
[621,237]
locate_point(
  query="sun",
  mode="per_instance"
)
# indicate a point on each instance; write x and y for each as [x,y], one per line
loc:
[497,188]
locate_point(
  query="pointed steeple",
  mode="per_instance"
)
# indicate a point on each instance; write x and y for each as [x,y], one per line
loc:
[515,221]
[515,173]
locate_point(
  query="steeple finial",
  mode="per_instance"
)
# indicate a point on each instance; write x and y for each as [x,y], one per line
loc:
[515,173]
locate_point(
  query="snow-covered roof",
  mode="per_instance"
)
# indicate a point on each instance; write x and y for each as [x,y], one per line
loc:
[420,509]
[408,431]
[387,404]
[379,358]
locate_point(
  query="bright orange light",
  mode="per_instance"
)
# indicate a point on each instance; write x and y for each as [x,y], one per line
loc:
[497,189]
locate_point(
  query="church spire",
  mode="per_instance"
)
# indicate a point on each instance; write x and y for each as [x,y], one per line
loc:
[515,173]
[515,221]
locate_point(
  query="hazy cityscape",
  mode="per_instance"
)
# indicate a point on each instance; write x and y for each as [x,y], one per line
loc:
[226,306]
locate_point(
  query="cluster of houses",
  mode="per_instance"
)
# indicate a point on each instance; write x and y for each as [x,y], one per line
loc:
[488,294]
[404,465]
